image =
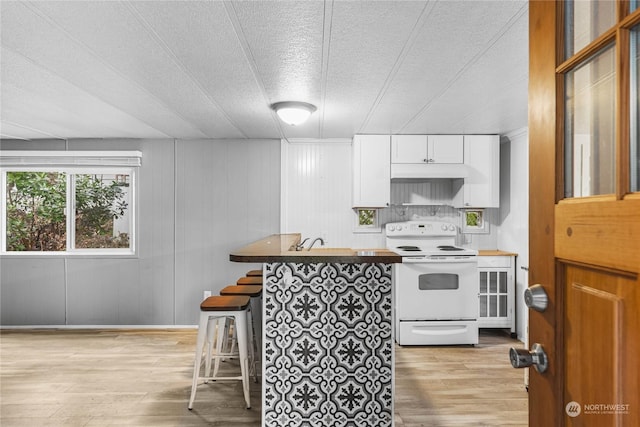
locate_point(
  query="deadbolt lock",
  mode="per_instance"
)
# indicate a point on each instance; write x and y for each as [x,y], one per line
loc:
[536,298]
[522,358]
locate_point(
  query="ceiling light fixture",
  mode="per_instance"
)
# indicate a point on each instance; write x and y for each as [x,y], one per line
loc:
[293,113]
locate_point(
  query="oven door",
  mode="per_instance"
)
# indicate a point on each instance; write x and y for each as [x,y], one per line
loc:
[437,291]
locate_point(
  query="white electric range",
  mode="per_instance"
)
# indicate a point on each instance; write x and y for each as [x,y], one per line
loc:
[435,287]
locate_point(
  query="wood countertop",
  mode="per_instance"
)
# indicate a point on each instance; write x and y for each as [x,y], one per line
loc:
[281,248]
[495,252]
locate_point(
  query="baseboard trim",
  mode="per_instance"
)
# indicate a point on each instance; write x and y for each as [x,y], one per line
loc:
[98,327]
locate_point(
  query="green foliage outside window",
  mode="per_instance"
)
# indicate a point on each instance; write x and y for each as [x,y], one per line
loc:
[367,217]
[36,220]
[98,203]
[474,218]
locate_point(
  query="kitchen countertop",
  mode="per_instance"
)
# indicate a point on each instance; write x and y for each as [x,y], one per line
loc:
[281,248]
[495,252]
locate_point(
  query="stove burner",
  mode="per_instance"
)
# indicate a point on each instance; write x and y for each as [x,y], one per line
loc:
[409,248]
[449,248]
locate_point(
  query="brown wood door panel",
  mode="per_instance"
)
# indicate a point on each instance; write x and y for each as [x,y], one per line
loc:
[603,232]
[601,331]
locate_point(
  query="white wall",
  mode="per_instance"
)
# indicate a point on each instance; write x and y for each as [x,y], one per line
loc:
[316,198]
[316,191]
[198,200]
[513,232]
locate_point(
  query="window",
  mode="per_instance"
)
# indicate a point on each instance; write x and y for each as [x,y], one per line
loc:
[68,202]
[367,221]
[473,221]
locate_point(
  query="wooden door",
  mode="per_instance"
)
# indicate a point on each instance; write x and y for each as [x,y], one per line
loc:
[585,251]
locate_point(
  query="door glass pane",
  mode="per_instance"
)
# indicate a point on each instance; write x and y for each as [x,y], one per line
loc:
[483,306]
[503,306]
[493,282]
[103,218]
[635,109]
[585,21]
[493,306]
[503,282]
[590,126]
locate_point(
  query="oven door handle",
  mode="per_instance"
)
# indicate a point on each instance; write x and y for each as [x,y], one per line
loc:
[439,330]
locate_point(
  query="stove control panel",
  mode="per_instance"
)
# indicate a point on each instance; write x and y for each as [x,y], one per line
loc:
[421,228]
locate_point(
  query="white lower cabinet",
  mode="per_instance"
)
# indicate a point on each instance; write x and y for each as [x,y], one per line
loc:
[496,292]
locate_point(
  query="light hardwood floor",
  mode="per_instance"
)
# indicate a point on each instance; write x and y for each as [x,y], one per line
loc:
[143,378]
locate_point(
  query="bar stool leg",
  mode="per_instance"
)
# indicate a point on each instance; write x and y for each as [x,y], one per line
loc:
[211,333]
[221,341]
[242,328]
[202,332]
[252,354]
[256,310]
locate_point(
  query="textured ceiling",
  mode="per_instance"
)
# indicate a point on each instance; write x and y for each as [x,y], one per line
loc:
[210,69]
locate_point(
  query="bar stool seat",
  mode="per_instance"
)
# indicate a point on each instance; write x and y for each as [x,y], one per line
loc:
[254,273]
[248,290]
[213,310]
[255,293]
[251,280]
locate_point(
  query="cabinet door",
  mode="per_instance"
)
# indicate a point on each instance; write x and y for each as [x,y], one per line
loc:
[371,171]
[409,149]
[446,149]
[481,188]
[496,293]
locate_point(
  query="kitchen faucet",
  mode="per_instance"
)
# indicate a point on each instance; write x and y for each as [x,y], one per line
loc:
[314,241]
[300,245]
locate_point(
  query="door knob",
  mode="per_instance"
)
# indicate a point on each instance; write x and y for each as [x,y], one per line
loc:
[536,298]
[522,358]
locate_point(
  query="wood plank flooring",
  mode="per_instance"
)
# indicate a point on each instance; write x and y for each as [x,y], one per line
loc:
[143,378]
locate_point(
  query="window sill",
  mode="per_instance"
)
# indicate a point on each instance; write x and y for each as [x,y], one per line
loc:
[83,254]
[368,230]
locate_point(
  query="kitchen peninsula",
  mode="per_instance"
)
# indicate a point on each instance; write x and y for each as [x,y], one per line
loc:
[328,345]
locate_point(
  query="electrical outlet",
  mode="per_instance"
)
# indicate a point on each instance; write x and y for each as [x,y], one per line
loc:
[207,294]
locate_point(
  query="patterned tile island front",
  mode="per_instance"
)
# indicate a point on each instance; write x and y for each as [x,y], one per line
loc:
[327,334]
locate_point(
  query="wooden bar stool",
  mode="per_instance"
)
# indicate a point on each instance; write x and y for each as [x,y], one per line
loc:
[214,309]
[255,293]
[254,273]
[249,280]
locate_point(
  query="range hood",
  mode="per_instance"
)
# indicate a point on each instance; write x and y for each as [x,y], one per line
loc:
[428,170]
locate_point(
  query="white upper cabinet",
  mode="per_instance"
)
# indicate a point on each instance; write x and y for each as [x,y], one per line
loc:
[371,171]
[409,149]
[427,149]
[481,188]
[446,148]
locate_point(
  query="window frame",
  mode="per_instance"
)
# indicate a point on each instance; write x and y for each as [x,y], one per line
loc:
[71,164]
[367,228]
